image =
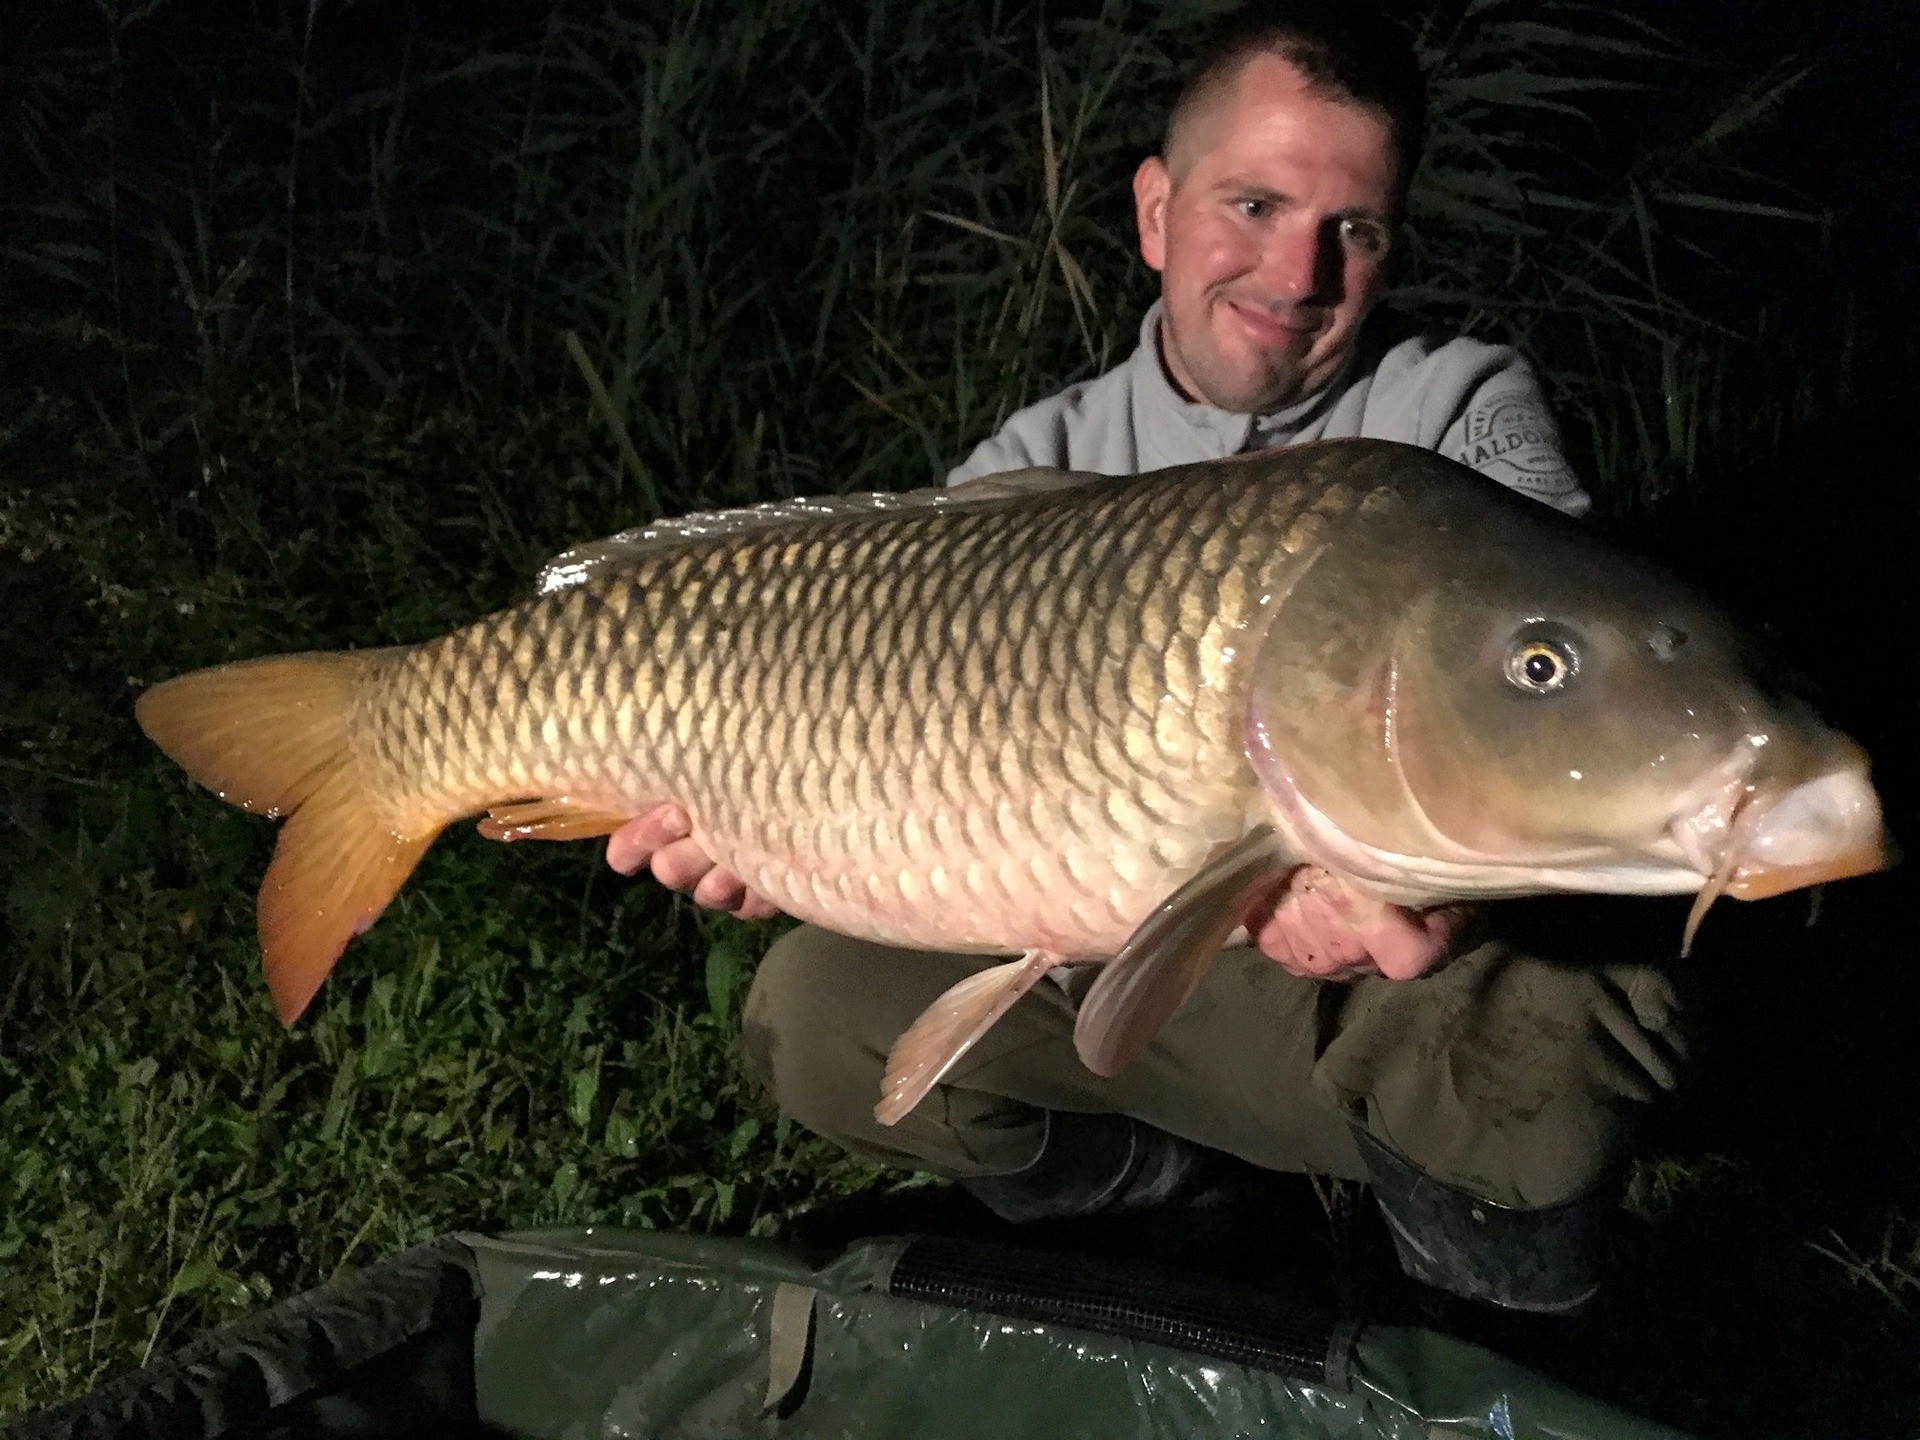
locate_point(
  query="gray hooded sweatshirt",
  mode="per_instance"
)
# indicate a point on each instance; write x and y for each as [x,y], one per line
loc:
[1473,402]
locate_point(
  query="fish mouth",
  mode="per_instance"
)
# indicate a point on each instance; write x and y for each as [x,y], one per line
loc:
[1751,835]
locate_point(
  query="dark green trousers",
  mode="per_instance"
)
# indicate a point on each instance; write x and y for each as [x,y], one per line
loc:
[1510,1076]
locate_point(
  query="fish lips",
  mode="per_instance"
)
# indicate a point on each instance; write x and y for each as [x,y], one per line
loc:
[1825,828]
[1763,824]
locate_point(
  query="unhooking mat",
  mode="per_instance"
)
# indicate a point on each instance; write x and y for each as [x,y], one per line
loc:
[576,1333]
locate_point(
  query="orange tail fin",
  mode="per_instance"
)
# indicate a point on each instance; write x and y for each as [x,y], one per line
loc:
[271,737]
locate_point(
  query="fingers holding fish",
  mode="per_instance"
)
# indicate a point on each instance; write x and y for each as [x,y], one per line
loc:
[721,889]
[1303,927]
[1406,944]
[661,840]
[645,836]
[1316,925]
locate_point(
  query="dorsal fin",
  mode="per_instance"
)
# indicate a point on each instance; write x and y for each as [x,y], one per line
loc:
[617,552]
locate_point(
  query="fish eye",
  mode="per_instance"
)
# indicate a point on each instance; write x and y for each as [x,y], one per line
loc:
[1540,664]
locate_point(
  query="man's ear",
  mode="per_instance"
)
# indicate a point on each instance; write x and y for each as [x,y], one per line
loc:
[1152,185]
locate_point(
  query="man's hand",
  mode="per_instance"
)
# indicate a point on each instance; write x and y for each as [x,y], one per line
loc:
[659,839]
[1315,925]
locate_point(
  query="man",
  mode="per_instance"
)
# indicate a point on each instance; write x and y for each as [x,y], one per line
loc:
[1486,1098]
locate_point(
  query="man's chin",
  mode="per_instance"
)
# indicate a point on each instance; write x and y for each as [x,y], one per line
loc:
[1259,384]
[1251,399]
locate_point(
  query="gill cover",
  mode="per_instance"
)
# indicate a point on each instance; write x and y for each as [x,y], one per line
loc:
[1463,694]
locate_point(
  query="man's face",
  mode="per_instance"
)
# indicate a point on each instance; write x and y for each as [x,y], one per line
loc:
[1269,225]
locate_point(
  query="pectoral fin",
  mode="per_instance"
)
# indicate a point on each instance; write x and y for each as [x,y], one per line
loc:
[1160,966]
[948,1028]
[559,818]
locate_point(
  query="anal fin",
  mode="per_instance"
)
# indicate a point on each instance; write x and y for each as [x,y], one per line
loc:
[559,817]
[949,1027]
[1164,960]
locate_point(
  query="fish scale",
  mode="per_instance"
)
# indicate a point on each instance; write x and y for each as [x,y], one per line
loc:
[1000,675]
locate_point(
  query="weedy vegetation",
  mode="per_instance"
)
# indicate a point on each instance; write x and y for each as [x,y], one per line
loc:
[324,326]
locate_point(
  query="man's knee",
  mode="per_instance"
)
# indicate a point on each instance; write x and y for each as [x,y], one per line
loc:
[809,1033]
[1528,1032]
[820,1018]
[1510,1076]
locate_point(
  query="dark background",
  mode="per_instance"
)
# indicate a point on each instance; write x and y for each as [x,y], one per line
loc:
[136,389]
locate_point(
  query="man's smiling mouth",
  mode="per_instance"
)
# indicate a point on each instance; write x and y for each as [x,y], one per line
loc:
[1270,328]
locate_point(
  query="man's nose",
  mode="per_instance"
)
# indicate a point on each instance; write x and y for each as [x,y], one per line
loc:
[1302,262]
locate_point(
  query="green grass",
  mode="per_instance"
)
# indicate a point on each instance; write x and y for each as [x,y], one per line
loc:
[284,316]
[524,1038]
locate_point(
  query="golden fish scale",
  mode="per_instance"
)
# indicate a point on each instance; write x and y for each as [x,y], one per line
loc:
[969,729]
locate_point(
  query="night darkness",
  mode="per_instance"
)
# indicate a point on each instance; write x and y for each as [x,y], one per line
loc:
[248,406]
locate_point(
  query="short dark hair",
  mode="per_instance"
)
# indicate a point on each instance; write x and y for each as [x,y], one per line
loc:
[1342,46]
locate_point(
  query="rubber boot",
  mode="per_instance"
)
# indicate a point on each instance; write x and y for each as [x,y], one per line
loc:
[1102,1165]
[1542,1259]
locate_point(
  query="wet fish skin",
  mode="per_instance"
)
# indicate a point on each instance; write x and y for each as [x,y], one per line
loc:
[1019,723]
[965,729]
[961,729]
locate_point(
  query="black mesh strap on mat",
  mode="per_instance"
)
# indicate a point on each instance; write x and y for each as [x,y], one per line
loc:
[1232,1323]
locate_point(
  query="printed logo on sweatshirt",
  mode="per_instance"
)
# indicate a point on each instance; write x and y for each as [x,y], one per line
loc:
[1512,439]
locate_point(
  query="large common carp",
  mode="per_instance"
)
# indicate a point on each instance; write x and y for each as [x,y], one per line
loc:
[1060,716]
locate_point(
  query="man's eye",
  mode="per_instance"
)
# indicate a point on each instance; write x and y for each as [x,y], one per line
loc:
[1254,209]
[1363,237]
